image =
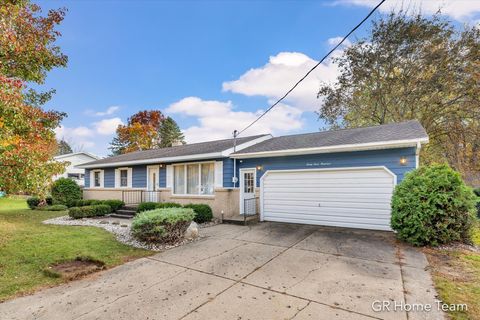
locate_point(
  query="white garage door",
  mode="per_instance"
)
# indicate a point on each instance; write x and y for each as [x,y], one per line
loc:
[354,198]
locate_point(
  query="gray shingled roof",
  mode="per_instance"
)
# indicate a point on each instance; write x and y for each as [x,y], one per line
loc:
[177,151]
[388,132]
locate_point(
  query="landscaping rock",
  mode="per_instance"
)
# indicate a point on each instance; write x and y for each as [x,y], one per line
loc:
[192,231]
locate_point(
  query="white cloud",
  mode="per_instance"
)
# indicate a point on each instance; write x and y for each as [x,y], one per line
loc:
[78,137]
[107,126]
[111,110]
[336,40]
[457,9]
[218,119]
[281,72]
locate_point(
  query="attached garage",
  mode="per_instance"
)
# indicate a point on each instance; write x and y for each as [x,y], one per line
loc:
[345,197]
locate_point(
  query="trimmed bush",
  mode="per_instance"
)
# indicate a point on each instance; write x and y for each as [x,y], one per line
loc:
[162,225]
[114,204]
[66,191]
[477,191]
[203,212]
[89,211]
[33,202]
[146,206]
[55,207]
[433,206]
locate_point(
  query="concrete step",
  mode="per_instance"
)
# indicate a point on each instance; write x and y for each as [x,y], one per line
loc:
[132,207]
[121,216]
[126,212]
[240,220]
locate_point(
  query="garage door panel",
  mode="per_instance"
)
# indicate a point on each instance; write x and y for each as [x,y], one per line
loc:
[344,174]
[323,184]
[330,190]
[328,197]
[332,204]
[356,198]
[366,212]
[373,226]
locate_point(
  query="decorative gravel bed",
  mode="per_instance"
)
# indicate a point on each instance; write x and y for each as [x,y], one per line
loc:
[120,230]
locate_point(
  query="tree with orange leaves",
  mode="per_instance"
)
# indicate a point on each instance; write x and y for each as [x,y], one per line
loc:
[146,130]
[27,138]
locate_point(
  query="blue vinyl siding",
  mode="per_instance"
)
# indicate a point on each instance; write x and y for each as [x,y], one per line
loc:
[109,178]
[163,177]
[87,178]
[389,158]
[227,173]
[139,176]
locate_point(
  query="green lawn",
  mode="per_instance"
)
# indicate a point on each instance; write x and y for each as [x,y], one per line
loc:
[457,278]
[27,247]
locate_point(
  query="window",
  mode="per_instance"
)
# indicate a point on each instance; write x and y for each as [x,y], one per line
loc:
[248,182]
[197,178]
[124,178]
[96,179]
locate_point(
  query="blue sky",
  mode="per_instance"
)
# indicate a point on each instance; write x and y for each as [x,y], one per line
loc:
[211,65]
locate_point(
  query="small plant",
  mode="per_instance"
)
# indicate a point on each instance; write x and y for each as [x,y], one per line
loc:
[33,202]
[114,204]
[55,207]
[146,206]
[203,212]
[433,206]
[162,225]
[89,211]
[66,191]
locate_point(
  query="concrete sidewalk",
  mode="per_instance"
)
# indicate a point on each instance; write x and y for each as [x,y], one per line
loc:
[265,271]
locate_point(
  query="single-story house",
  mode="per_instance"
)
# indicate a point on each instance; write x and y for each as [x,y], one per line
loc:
[72,171]
[336,178]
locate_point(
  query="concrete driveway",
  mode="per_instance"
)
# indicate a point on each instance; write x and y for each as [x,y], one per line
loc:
[265,271]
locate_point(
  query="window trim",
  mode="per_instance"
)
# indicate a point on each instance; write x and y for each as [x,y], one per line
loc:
[118,177]
[100,178]
[184,165]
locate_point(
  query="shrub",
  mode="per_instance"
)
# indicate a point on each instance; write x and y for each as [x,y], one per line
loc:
[49,200]
[432,206]
[55,207]
[114,204]
[89,211]
[146,206]
[33,202]
[477,191]
[66,191]
[203,212]
[162,225]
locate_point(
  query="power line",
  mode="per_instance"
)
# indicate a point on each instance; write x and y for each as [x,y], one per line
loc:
[310,71]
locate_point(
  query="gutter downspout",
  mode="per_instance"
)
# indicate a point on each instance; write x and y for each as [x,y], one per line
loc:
[235,179]
[417,155]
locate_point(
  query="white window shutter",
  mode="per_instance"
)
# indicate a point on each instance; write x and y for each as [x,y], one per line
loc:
[102,178]
[169,176]
[129,177]
[92,179]
[117,178]
[218,174]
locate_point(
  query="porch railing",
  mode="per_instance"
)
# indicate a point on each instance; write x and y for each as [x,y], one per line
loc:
[249,208]
[139,196]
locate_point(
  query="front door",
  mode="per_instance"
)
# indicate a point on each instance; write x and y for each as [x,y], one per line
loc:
[153,195]
[247,192]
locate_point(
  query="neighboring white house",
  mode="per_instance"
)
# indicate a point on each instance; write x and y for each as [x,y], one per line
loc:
[75,159]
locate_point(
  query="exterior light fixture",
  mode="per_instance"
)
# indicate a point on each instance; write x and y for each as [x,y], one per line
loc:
[161,165]
[403,161]
[259,168]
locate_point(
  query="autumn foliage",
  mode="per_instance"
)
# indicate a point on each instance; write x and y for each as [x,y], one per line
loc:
[146,130]
[27,138]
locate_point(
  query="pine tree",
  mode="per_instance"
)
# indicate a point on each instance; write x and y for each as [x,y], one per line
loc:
[170,133]
[63,147]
